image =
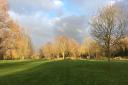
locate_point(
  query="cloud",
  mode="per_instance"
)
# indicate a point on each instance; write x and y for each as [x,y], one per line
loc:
[71,26]
[30,6]
[45,19]
[123,3]
[112,2]
[58,3]
[35,17]
[93,5]
[43,29]
[36,25]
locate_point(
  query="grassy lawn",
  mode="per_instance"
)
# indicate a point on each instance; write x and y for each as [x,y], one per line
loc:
[66,72]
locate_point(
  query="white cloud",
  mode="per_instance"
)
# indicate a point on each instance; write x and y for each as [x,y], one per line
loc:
[28,6]
[58,3]
[33,16]
[42,29]
[111,2]
[37,26]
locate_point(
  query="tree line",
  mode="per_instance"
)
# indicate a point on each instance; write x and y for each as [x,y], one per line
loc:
[66,48]
[108,39]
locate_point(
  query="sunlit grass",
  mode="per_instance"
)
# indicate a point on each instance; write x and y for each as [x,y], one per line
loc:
[14,66]
[63,72]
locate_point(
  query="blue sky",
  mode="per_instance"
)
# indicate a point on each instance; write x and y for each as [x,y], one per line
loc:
[45,19]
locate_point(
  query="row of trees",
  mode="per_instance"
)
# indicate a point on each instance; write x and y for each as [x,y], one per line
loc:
[109,38]
[62,47]
[65,47]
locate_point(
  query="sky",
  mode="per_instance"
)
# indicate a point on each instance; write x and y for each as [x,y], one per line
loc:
[45,19]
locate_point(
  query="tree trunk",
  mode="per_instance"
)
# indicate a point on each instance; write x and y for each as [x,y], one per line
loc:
[109,54]
[109,63]
[58,56]
[63,55]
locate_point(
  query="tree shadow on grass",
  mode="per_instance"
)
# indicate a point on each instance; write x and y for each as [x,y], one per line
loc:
[68,73]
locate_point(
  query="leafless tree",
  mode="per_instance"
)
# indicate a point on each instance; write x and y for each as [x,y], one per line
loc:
[62,45]
[48,51]
[73,48]
[109,27]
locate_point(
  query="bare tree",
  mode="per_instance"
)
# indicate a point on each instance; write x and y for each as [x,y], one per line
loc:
[90,48]
[62,45]
[73,48]
[108,27]
[48,50]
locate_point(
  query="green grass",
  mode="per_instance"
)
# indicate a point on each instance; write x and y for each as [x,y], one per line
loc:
[66,72]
